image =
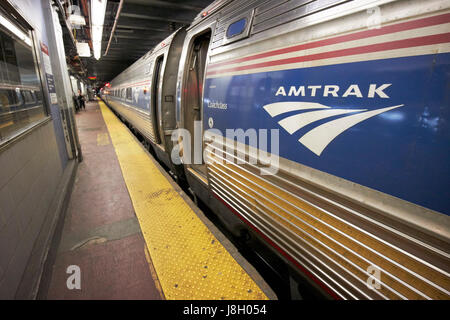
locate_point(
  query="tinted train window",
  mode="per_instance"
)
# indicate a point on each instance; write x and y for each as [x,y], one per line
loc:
[18,78]
[128,93]
[38,95]
[8,99]
[236,28]
[27,96]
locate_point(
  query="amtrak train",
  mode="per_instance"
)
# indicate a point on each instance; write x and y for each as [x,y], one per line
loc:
[338,159]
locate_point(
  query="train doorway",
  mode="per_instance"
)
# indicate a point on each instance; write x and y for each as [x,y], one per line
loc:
[193,94]
[156,100]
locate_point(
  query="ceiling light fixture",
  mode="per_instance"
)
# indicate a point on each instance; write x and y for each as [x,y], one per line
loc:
[83,49]
[77,20]
[98,9]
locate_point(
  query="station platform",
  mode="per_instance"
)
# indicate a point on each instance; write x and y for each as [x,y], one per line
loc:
[134,234]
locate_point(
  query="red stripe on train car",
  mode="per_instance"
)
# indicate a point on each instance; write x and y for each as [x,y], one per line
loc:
[391,45]
[410,25]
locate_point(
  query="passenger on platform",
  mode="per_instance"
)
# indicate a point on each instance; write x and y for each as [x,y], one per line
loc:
[75,102]
[81,101]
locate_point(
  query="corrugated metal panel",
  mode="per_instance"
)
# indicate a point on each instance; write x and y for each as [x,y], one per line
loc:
[336,241]
[270,5]
[141,121]
[271,14]
[226,16]
[213,7]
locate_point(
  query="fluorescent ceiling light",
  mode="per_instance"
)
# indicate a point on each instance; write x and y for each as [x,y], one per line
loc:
[77,20]
[83,49]
[98,9]
[11,27]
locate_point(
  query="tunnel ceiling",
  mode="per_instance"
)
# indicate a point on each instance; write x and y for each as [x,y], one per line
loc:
[140,26]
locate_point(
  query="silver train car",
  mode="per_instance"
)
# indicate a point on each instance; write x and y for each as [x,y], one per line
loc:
[352,97]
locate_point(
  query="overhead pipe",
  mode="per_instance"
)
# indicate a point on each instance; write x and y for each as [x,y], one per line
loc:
[84,7]
[114,26]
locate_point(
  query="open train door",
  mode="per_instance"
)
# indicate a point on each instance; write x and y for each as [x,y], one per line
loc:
[156,100]
[192,98]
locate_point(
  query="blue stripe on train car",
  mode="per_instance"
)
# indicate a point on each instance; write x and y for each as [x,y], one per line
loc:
[404,152]
[141,100]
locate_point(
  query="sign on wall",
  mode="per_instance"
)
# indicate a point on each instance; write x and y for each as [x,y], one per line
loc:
[49,74]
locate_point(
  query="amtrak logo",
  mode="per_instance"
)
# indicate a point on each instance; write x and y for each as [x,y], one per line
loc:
[318,138]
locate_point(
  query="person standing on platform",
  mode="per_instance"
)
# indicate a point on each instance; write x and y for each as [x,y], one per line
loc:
[75,102]
[80,99]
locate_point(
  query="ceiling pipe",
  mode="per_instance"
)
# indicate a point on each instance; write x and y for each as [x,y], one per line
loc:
[114,26]
[84,7]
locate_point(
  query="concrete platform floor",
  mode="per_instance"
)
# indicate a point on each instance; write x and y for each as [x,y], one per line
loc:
[101,234]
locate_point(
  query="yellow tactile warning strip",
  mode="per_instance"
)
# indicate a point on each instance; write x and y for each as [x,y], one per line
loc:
[153,273]
[189,261]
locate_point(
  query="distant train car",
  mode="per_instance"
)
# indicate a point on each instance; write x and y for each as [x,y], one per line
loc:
[144,95]
[350,98]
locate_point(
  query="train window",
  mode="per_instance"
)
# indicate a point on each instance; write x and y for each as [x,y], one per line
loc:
[238,28]
[33,95]
[27,96]
[19,110]
[8,100]
[38,95]
[129,94]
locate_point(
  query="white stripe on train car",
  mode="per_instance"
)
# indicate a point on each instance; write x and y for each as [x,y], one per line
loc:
[318,138]
[417,37]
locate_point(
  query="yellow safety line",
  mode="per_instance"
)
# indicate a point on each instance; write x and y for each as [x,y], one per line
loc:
[153,272]
[190,262]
